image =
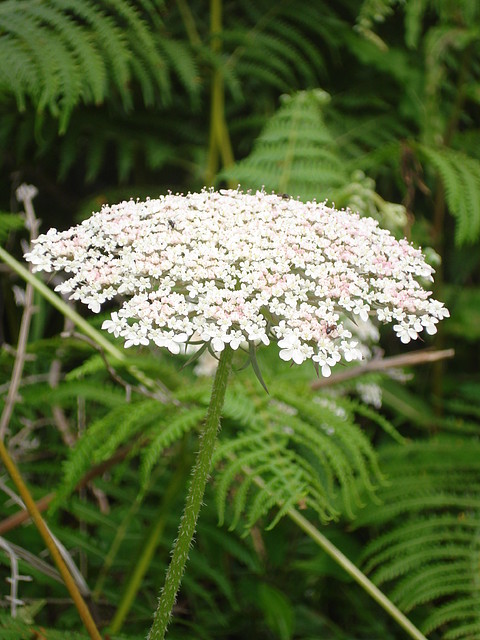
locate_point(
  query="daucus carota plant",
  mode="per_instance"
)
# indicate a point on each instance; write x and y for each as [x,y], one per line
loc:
[229,270]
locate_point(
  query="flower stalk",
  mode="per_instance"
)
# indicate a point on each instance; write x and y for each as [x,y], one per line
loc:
[194,499]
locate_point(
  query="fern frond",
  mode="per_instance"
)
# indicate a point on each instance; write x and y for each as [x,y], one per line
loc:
[103,437]
[460,175]
[295,153]
[184,64]
[379,419]
[289,451]
[414,12]
[170,431]
[278,47]
[332,429]
[280,59]
[431,555]
[66,52]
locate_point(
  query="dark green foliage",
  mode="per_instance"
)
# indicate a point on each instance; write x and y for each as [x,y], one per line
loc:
[291,451]
[373,105]
[465,304]
[19,630]
[460,176]
[62,53]
[428,545]
[9,222]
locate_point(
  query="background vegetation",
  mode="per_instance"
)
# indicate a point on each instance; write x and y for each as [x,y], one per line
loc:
[373,105]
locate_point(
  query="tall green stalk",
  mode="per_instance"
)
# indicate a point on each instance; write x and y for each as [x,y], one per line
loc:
[219,146]
[44,531]
[346,564]
[355,573]
[194,499]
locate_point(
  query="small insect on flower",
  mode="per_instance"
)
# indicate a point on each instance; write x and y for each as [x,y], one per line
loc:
[171,223]
[330,328]
[284,196]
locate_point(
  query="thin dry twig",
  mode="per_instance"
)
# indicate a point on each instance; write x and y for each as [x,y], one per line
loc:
[381,364]
[15,520]
[25,194]
[54,377]
[15,577]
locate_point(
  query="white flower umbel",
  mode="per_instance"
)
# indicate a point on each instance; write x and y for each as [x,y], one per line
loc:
[233,267]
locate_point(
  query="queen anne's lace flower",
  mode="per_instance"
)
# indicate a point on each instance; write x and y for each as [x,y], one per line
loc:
[229,268]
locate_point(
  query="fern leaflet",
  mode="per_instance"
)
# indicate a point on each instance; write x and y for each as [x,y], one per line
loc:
[460,175]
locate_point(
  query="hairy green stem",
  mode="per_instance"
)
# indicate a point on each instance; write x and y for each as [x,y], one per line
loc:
[194,499]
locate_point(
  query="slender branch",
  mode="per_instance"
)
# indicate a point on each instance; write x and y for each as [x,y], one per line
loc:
[15,575]
[58,413]
[342,560]
[19,362]
[50,543]
[26,380]
[26,194]
[15,520]
[380,364]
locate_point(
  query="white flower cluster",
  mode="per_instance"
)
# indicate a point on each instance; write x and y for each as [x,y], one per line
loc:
[227,267]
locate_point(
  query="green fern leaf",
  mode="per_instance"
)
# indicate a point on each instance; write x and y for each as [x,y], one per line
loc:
[170,431]
[288,451]
[430,555]
[460,175]
[103,437]
[67,52]
[295,153]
